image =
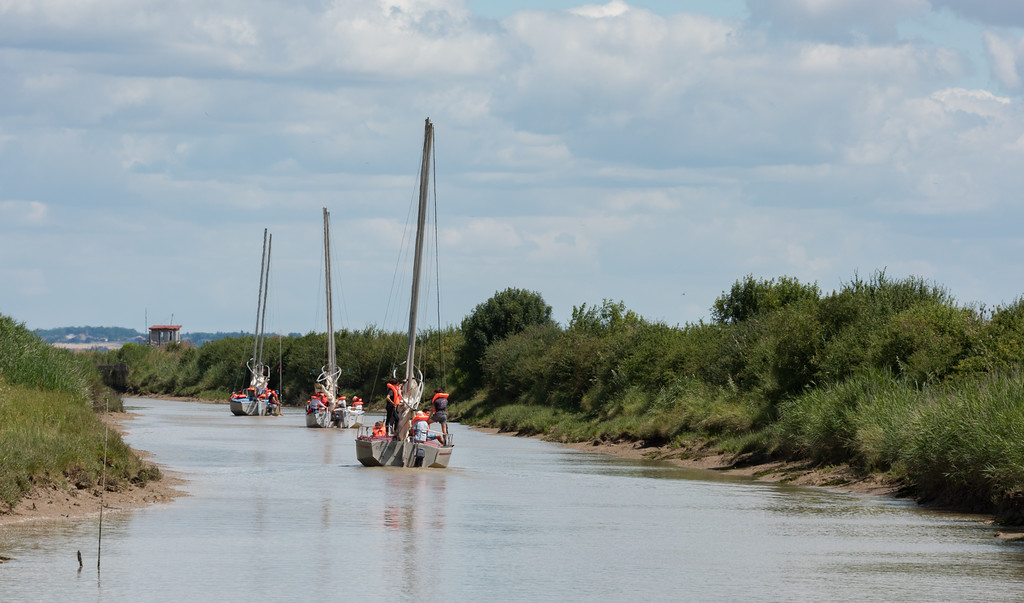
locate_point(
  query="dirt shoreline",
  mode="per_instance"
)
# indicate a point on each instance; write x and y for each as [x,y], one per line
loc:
[55,503]
[839,478]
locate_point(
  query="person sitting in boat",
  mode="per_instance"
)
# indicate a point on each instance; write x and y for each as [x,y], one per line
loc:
[357,403]
[421,428]
[316,402]
[338,410]
[274,402]
[440,414]
[378,430]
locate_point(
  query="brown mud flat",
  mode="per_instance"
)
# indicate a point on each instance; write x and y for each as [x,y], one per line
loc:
[839,477]
[52,502]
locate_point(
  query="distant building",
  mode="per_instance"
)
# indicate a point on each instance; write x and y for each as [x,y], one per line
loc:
[164,334]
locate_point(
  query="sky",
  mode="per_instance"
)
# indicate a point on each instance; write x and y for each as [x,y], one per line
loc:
[648,152]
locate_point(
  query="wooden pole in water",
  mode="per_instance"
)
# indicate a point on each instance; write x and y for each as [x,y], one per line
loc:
[103,487]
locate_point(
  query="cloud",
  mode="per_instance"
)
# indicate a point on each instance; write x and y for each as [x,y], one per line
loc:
[836,20]
[1005,56]
[23,212]
[600,152]
[997,13]
[600,11]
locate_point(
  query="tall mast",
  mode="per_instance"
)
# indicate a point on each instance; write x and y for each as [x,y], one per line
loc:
[332,362]
[266,288]
[259,296]
[428,139]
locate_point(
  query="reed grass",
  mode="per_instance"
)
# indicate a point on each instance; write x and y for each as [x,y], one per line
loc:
[51,438]
[50,433]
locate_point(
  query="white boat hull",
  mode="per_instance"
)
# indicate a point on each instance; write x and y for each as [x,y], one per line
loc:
[255,408]
[351,418]
[391,453]
[320,418]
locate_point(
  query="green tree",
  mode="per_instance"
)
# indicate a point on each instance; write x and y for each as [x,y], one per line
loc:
[609,316]
[749,298]
[506,313]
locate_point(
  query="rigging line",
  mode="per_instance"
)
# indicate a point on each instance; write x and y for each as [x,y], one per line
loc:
[321,293]
[405,249]
[338,283]
[437,272]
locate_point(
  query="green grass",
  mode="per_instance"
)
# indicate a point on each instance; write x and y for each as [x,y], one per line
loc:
[50,432]
[50,438]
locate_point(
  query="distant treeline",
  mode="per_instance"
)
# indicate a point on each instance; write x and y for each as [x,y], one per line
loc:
[88,334]
[217,368]
[115,334]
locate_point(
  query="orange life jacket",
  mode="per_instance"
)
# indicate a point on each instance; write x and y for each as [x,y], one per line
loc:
[444,405]
[380,431]
[396,393]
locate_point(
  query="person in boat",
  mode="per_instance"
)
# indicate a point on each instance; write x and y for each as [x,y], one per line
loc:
[274,402]
[391,404]
[378,430]
[317,401]
[440,414]
[421,428]
[357,403]
[338,410]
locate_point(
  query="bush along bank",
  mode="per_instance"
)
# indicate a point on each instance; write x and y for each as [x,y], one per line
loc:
[51,433]
[885,376]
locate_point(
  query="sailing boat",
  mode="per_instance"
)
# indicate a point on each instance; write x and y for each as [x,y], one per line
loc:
[325,409]
[383,451]
[256,399]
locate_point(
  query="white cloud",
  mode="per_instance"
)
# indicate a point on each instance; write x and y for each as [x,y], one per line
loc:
[999,13]
[600,11]
[23,212]
[836,20]
[1005,56]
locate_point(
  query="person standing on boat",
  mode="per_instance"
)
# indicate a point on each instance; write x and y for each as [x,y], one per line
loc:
[274,402]
[391,404]
[440,414]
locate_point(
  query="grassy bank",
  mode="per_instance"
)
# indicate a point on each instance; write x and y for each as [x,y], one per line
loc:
[49,426]
[959,447]
[882,376]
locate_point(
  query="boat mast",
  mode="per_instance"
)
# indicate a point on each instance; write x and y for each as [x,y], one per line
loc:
[428,139]
[259,305]
[266,288]
[332,362]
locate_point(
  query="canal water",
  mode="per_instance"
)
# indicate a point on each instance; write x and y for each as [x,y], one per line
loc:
[280,512]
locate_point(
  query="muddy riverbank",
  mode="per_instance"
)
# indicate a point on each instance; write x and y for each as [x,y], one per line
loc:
[52,502]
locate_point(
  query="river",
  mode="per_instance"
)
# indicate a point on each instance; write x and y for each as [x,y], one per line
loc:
[280,512]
